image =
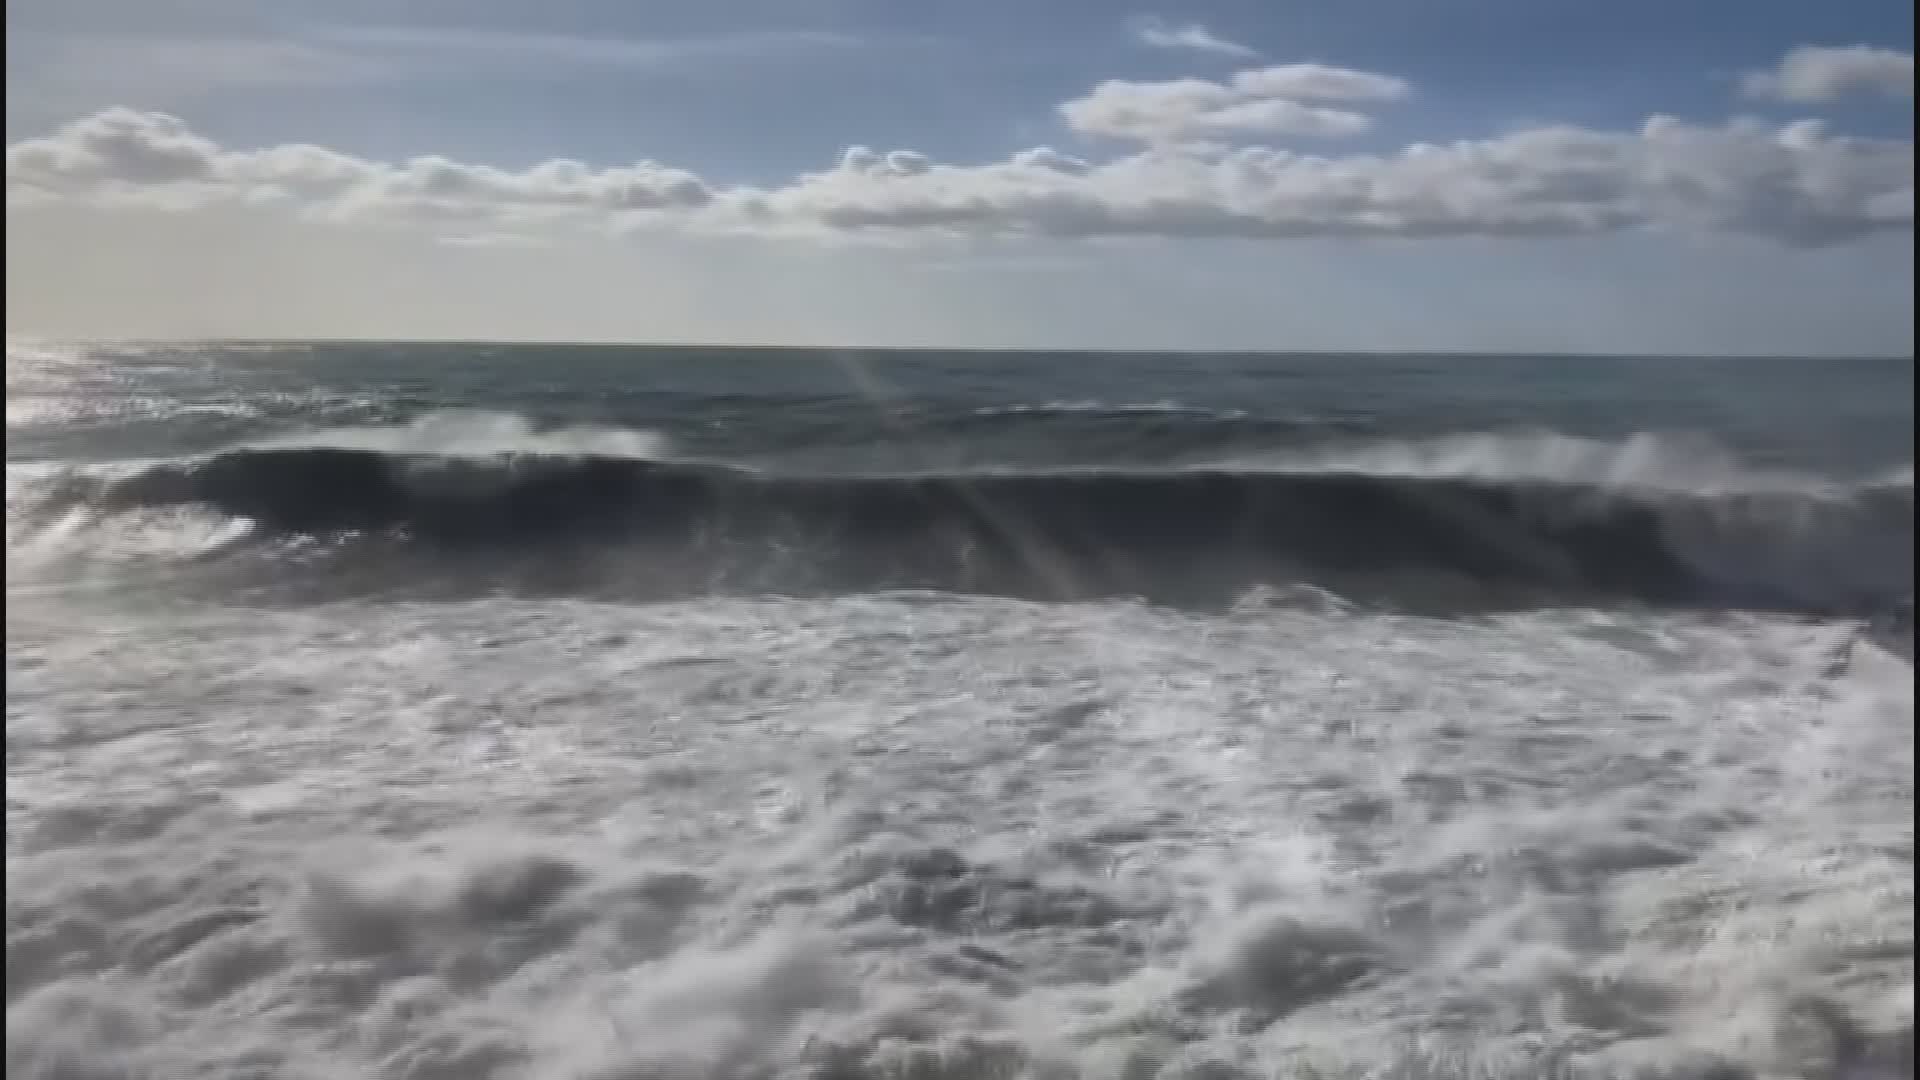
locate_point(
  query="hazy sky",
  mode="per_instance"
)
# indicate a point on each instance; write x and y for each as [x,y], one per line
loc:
[1555,175]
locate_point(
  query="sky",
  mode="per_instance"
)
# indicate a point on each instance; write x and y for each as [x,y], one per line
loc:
[1552,176]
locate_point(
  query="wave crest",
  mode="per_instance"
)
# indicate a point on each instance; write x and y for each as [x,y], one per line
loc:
[589,521]
[1649,462]
[478,433]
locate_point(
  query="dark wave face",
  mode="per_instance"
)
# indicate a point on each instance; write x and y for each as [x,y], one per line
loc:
[624,527]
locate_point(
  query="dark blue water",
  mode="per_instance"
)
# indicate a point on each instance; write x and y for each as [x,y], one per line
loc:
[644,474]
[807,407]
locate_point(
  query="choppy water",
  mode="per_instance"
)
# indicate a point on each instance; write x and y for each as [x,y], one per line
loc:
[506,711]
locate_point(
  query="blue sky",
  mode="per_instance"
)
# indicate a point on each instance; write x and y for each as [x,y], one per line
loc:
[741,100]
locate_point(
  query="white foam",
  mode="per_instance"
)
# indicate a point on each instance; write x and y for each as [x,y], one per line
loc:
[477,433]
[1647,461]
[81,538]
[917,836]
[1102,408]
[41,535]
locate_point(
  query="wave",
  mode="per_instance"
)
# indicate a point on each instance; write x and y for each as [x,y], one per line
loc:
[478,433]
[624,523]
[1101,408]
[1649,461]
[1895,478]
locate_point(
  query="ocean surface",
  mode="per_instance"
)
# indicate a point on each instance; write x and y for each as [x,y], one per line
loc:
[485,711]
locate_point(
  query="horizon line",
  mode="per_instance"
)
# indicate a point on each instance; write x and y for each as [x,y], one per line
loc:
[987,350]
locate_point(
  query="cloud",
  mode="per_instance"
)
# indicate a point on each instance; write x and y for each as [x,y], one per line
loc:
[124,157]
[1260,101]
[1192,109]
[1814,75]
[1796,184]
[1317,82]
[1157,33]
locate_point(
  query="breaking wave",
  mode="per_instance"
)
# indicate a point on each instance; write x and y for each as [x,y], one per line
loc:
[477,433]
[581,516]
[1646,462]
[1101,408]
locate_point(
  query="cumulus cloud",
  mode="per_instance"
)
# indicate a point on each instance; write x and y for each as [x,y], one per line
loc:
[1798,183]
[123,156]
[1814,75]
[1317,82]
[1186,110]
[1157,33]
[1286,99]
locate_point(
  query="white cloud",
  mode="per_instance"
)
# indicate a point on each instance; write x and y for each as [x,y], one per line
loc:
[1269,100]
[1317,82]
[1794,184]
[1798,184]
[1814,74]
[1159,34]
[122,156]
[1185,110]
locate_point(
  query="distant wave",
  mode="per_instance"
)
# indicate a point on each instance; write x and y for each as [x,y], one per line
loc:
[1100,408]
[1648,462]
[1900,477]
[593,521]
[477,433]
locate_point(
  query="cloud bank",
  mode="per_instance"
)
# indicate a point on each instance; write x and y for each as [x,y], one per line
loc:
[1195,171]
[1286,99]
[1817,75]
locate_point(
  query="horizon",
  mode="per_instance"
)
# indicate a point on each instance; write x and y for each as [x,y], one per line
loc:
[1210,176]
[29,340]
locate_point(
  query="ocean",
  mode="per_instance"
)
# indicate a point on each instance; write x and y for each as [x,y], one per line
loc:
[512,711]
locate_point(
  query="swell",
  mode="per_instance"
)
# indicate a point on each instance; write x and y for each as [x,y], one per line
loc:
[589,522]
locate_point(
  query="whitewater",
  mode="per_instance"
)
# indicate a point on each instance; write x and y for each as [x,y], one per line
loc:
[529,712]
